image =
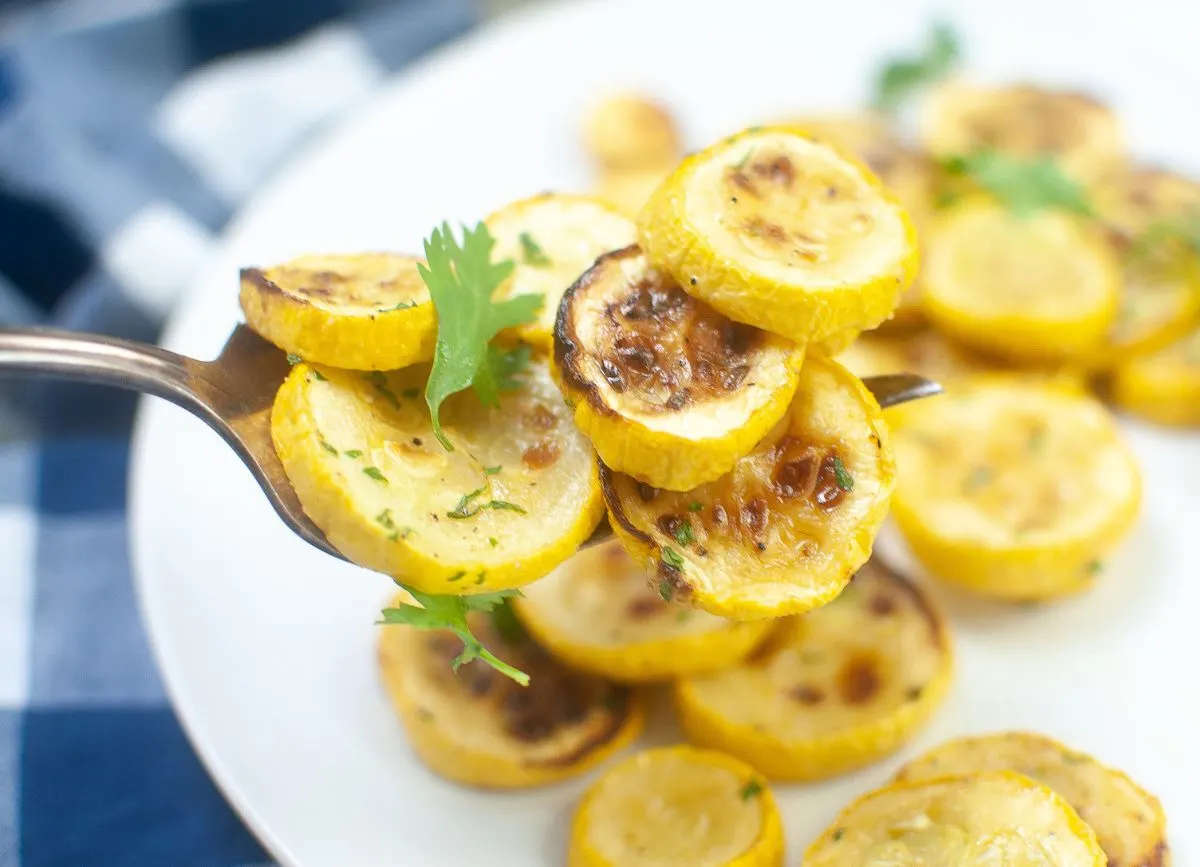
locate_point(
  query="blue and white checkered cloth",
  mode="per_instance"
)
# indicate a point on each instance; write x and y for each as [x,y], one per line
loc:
[129,132]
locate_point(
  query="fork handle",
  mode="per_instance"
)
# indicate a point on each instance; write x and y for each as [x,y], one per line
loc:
[98,359]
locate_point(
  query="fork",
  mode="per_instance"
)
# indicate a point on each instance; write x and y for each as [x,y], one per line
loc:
[233,395]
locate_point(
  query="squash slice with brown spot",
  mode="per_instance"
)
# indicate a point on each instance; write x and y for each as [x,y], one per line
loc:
[1000,819]
[668,390]
[1129,822]
[831,691]
[781,231]
[478,727]
[787,527]
[596,614]
[518,494]
[677,806]
[369,311]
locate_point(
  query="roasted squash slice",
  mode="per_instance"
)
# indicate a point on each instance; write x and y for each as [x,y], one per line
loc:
[1014,488]
[669,391]
[628,131]
[1129,822]
[1163,387]
[999,819]
[780,231]
[515,498]
[552,239]
[676,806]
[361,312]
[476,726]
[904,170]
[831,691]
[788,527]
[1080,133]
[1029,288]
[596,613]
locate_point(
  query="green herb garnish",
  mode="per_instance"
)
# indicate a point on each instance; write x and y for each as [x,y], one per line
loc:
[684,534]
[532,251]
[695,506]
[293,359]
[841,475]
[671,557]
[491,471]
[450,612]
[374,473]
[493,541]
[1093,567]
[462,280]
[379,382]
[319,376]
[752,789]
[353,453]
[664,590]
[384,519]
[901,77]
[468,508]
[329,448]
[1024,186]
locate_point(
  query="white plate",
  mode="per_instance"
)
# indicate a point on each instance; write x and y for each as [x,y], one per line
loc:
[267,646]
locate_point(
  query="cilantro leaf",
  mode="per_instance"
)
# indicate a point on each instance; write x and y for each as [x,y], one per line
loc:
[532,251]
[461,279]
[500,372]
[435,611]
[1024,186]
[901,77]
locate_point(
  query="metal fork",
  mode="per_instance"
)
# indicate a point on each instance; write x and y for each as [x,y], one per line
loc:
[233,395]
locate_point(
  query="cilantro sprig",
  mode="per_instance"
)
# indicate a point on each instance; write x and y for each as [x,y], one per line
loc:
[462,279]
[901,77]
[435,611]
[1024,186]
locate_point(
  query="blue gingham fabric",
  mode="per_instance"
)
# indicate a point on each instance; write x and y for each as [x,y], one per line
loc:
[130,130]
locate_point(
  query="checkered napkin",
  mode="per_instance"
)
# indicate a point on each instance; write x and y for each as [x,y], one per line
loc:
[129,132]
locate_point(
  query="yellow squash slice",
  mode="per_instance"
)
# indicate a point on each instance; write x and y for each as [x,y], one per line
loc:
[1159,305]
[902,169]
[552,239]
[925,352]
[476,726]
[1000,819]
[628,190]
[627,131]
[677,806]
[1014,488]
[1029,288]
[783,232]
[596,614]
[831,691]
[785,530]
[1163,387]
[669,391]
[1080,133]
[1132,199]
[1129,822]
[360,312]
[515,498]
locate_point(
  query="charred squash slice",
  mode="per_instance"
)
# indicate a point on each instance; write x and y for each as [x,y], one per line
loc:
[780,231]
[677,806]
[515,498]
[1080,133]
[596,613]
[787,528]
[361,312]
[668,390]
[999,819]
[475,726]
[831,691]
[552,239]
[1129,822]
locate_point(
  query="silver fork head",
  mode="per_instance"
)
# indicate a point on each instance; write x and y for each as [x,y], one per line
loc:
[240,385]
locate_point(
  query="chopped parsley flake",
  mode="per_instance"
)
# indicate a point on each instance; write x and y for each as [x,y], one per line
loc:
[664,590]
[491,471]
[328,448]
[684,534]
[457,576]
[353,453]
[841,475]
[493,541]
[671,557]
[532,251]
[374,473]
[320,376]
[379,382]
[467,508]
[695,506]
[293,359]
[752,789]
[384,519]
